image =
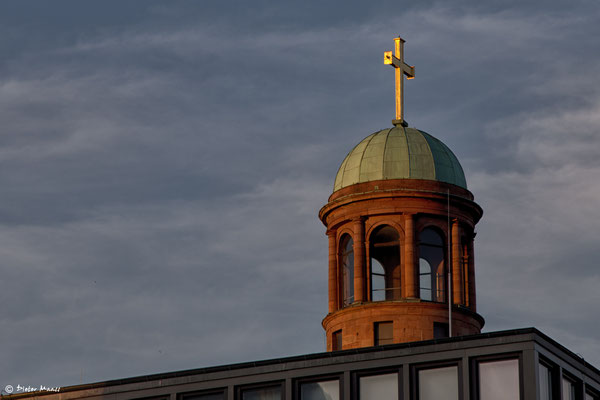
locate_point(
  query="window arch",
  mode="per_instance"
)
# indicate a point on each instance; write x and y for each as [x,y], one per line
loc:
[432,266]
[346,258]
[385,264]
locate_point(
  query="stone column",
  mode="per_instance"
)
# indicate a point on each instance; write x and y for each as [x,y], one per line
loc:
[410,271]
[471,288]
[457,282]
[464,269]
[359,259]
[333,275]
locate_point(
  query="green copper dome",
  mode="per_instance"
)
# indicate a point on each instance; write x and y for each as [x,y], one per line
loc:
[400,153]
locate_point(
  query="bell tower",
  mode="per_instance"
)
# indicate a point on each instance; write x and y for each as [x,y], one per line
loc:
[400,224]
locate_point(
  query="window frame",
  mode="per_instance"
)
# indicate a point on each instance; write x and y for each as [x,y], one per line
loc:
[269,384]
[429,278]
[474,371]
[445,326]
[388,276]
[355,379]
[577,384]
[297,383]
[376,325]
[373,274]
[588,390]
[187,395]
[165,396]
[434,290]
[414,375]
[335,342]
[555,384]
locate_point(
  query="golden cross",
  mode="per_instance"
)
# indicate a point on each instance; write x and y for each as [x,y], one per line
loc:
[401,69]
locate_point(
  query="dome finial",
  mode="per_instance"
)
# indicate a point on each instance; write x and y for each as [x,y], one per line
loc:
[401,69]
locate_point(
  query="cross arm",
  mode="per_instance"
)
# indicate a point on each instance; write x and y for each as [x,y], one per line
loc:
[390,59]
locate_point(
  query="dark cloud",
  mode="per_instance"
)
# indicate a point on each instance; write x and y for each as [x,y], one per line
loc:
[162,166]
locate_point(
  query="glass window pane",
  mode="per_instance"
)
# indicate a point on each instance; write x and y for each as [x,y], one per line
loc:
[378,287]
[568,390]
[378,295]
[424,267]
[327,390]
[384,333]
[379,387]
[386,330]
[378,282]
[438,384]
[347,257]
[545,383]
[425,280]
[337,340]
[440,330]
[268,393]
[377,268]
[499,380]
[349,248]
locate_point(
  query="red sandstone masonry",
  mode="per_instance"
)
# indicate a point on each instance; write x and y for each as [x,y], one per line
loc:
[409,206]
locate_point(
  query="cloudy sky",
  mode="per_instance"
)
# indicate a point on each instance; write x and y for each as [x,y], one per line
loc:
[162,165]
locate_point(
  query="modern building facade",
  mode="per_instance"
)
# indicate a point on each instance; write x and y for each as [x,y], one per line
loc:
[519,364]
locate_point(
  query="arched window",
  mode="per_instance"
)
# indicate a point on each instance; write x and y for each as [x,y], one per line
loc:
[432,279]
[347,269]
[385,264]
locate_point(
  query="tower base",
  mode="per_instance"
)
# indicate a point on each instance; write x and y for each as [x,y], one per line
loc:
[412,320]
